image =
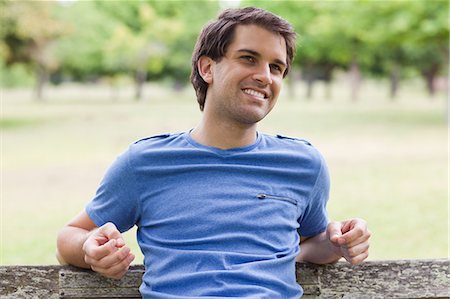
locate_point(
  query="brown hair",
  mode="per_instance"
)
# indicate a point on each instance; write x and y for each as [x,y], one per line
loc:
[216,36]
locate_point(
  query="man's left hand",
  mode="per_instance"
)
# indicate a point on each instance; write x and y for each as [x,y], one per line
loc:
[350,239]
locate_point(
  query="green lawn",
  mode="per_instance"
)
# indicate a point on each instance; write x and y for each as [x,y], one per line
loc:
[388,160]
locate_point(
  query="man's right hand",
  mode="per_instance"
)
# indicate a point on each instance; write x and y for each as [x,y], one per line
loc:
[106,253]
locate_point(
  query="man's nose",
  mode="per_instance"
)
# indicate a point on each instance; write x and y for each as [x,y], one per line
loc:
[263,75]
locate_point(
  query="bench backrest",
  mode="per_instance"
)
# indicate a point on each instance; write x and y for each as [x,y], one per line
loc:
[372,279]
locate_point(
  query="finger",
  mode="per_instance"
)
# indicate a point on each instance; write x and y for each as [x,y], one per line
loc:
[364,238]
[118,270]
[358,231]
[357,259]
[347,225]
[356,250]
[334,231]
[115,258]
[109,260]
[97,252]
[111,232]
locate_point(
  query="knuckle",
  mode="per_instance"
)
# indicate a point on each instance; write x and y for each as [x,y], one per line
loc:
[94,255]
[359,231]
[109,228]
[124,264]
[105,227]
[108,225]
[351,252]
[120,256]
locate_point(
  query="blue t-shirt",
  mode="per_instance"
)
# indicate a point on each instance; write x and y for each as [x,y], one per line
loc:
[216,223]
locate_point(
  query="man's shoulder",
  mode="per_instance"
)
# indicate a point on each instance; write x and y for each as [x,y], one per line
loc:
[158,138]
[284,140]
[297,147]
[159,141]
[293,139]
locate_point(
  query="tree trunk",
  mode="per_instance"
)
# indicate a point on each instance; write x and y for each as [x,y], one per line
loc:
[291,79]
[429,76]
[309,87]
[328,78]
[328,93]
[394,80]
[355,80]
[41,79]
[140,78]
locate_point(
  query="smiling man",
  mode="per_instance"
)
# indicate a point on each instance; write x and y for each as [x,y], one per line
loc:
[222,210]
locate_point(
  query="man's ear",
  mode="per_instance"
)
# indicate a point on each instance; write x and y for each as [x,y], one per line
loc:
[205,65]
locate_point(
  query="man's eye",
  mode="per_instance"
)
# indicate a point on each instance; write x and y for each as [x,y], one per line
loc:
[276,68]
[248,58]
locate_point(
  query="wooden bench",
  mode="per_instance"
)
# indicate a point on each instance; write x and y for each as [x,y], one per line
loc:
[372,279]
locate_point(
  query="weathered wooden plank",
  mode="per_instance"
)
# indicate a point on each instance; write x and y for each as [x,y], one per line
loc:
[308,278]
[29,282]
[83,278]
[84,293]
[386,279]
[373,279]
[82,283]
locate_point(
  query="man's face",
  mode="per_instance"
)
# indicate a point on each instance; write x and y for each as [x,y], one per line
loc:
[246,82]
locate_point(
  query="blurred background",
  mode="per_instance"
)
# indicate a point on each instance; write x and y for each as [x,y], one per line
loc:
[81,80]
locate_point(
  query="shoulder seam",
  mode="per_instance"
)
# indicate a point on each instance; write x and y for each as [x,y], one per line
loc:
[153,137]
[293,138]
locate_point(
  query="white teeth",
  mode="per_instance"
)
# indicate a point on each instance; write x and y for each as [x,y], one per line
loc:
[254,93]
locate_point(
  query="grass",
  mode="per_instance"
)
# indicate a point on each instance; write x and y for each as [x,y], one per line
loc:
[388,160]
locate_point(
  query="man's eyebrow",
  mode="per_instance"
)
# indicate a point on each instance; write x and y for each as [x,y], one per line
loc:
[254,53]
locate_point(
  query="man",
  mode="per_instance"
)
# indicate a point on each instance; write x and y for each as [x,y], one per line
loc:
[220,209]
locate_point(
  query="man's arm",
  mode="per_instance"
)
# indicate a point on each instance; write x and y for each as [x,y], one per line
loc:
[348,239]
[81,243]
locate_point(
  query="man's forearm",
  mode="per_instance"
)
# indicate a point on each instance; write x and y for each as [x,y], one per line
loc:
[70,246]
[318,250]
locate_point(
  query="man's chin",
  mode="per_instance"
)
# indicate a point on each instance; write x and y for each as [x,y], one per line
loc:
[253,117]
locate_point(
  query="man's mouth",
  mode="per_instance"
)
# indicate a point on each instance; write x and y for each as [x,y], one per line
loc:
[255,93]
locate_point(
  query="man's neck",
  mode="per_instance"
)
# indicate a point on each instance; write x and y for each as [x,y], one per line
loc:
[224,136]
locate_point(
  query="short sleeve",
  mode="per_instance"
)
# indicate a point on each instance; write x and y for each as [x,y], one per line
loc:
[116,199]
[315,218]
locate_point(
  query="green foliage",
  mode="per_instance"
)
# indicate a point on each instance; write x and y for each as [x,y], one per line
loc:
[81,51]
[376,34]
[15,75]
[115,38]
[28,29]
[109,38]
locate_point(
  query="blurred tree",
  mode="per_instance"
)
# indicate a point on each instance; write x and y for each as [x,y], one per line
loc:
[193,15]
[332,35]
[155,38]
[390,30]
[428,46]
[81,51]
[28,32]
[141,44]
[409,35]
[374,37]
